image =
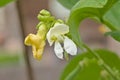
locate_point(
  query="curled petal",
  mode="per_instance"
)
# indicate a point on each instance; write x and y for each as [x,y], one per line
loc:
[57,30]
[32,39]
[28,40]
[50,41]
[37,53]
[58,50]
[37,45]
[70,46]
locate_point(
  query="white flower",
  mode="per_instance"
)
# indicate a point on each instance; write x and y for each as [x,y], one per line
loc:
[56,35]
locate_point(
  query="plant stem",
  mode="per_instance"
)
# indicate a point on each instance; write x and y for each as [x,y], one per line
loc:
[25,48]
[104,65]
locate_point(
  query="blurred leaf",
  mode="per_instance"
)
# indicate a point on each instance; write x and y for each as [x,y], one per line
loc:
[7,58]
[68,3]
[92,71]
[87,9]
[4,2]
[112,17]
[114,34]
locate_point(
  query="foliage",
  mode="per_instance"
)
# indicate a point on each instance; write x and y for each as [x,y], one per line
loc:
[92,69]
[4,2]
[98,64]
[68,3]
[7,58]
[114,34]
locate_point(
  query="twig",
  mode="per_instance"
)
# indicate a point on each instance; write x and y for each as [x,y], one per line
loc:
[26,56]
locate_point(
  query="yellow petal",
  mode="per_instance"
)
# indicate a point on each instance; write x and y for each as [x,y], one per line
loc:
[37,45]
[37,53]
[27,40]
[32,39]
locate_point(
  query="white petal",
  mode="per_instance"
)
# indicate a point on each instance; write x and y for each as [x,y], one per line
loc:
[57,30]
[70,46]
[50,41]
[58,50]
[60,29]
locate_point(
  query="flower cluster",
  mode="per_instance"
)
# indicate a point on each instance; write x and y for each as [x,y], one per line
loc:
[55,32]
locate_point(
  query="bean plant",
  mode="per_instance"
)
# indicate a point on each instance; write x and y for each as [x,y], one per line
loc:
[86,63]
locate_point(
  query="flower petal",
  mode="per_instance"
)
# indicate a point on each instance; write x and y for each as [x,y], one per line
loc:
[32,39]
[55,31]
[50,41]
[37,45]
[37,53]
[60,29]
[70,46]
[58,50]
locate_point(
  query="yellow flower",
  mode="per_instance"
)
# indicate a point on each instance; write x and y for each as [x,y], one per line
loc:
[37,44]
[37,41]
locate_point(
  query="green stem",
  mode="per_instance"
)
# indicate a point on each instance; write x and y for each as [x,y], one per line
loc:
[104,65]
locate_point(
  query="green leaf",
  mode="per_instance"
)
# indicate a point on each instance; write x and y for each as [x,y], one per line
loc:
[68,3]
[112,17]
[91,3]
[86,9]
[92,71]
[114,34]
[4,2]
